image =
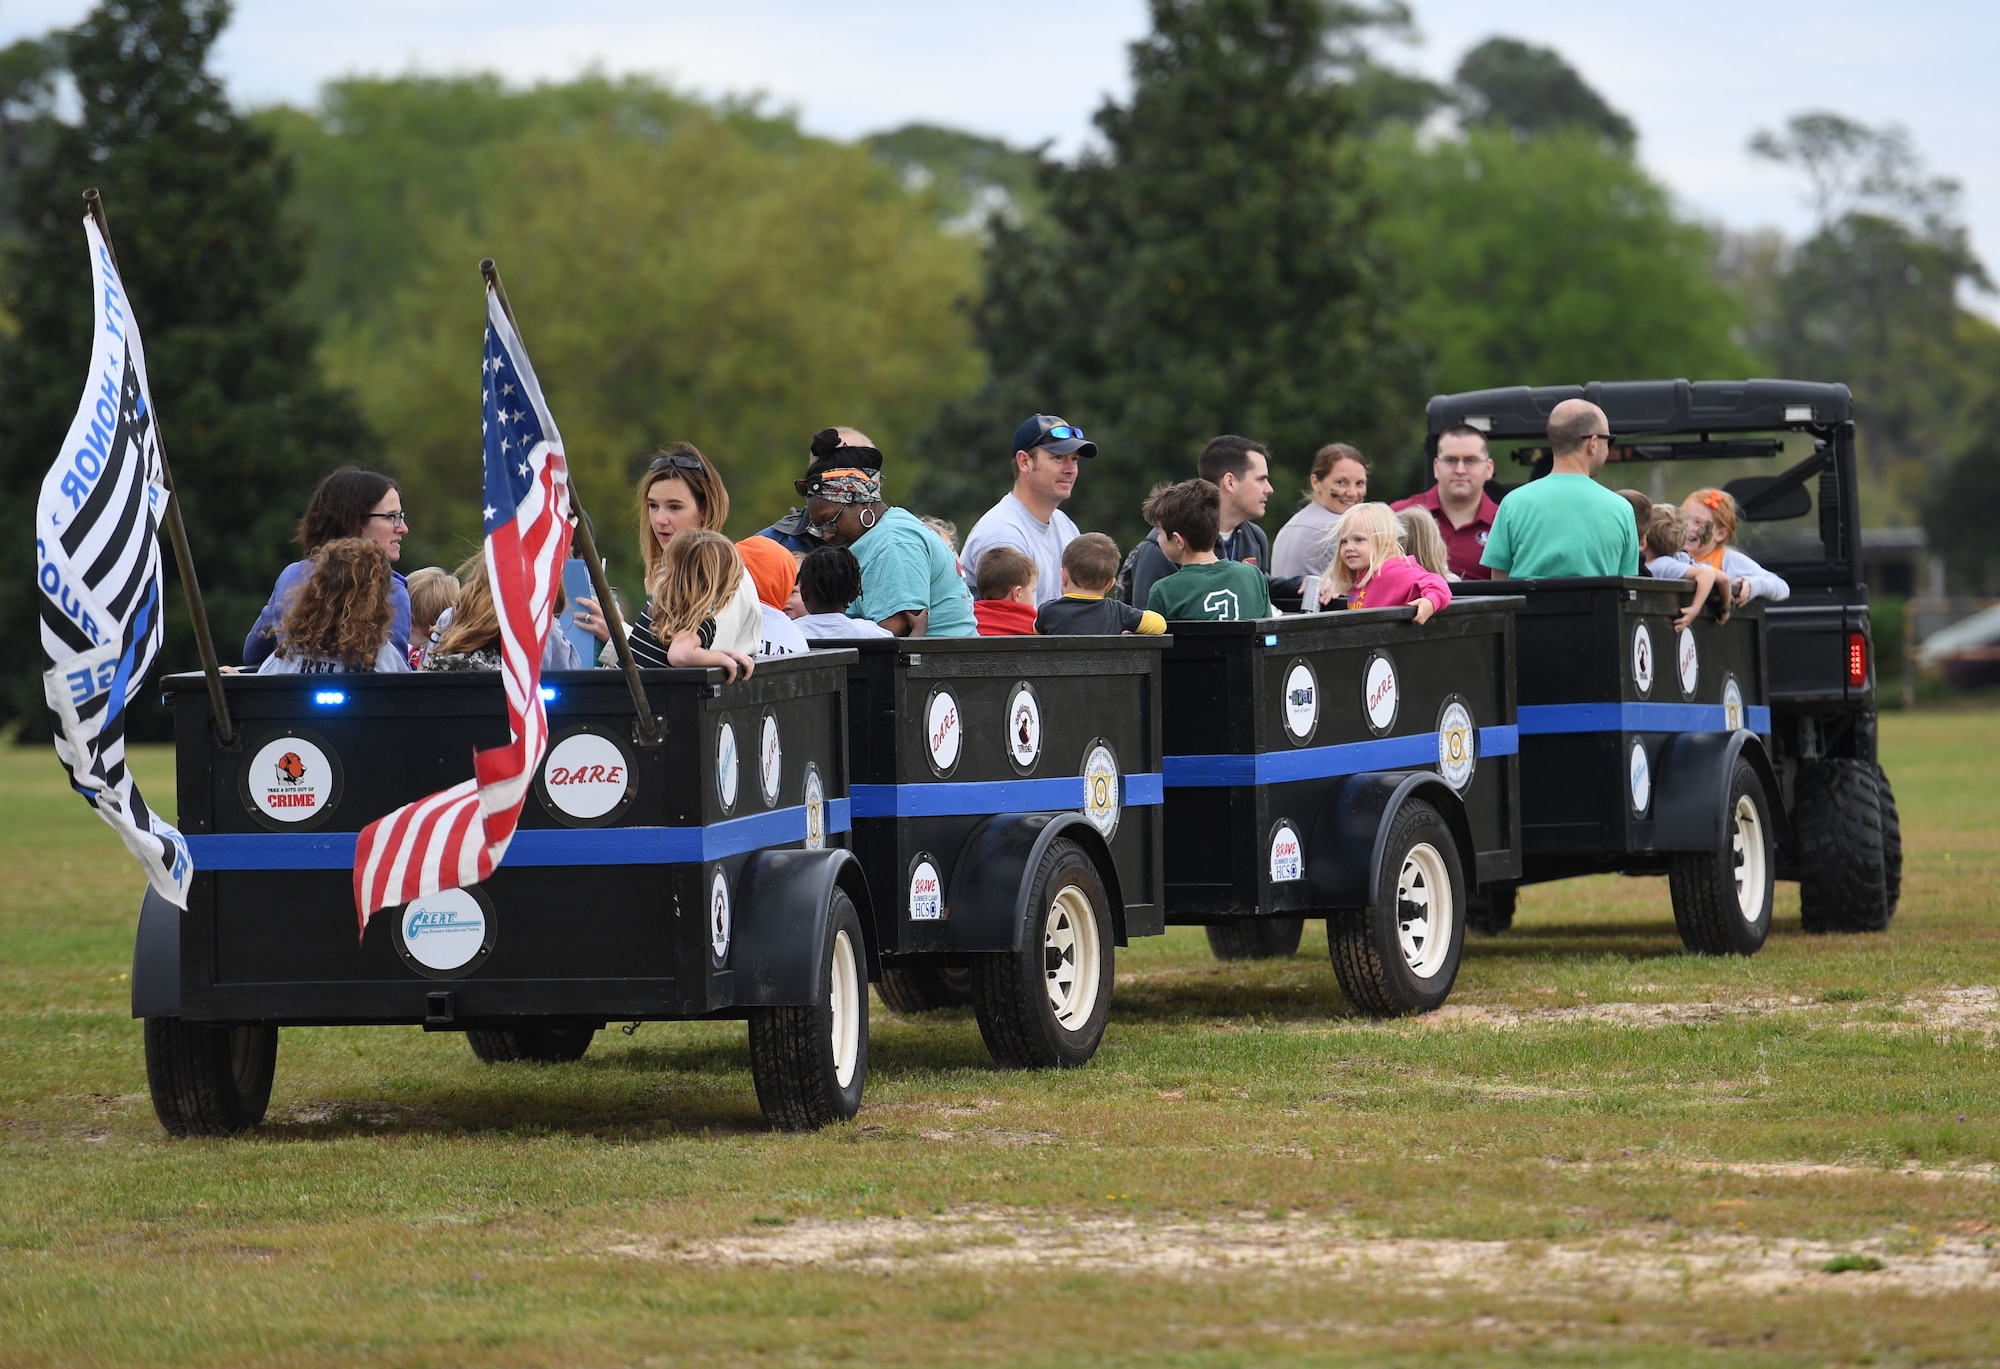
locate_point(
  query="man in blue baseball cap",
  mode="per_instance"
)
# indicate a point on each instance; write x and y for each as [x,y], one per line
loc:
[1029,517]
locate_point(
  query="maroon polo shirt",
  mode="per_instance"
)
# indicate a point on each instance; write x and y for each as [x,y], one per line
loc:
[1462,546]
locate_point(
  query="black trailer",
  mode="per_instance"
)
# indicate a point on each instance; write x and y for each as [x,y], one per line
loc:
[1007,814]
[701,877]
[1784,450]
[1353,766]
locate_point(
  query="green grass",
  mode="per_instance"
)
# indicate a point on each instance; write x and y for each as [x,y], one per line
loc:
[1601,1151]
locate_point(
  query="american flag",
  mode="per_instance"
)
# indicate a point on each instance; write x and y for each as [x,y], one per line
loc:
[458,835]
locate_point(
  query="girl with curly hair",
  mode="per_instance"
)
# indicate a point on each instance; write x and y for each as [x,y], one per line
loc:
[339,617]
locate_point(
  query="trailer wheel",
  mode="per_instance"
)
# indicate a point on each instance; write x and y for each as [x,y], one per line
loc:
[1892,841]
[209,1081]
[1045,1005]
[1256,938]
[1401,954]
[1490,910]
[924,986]
[1843,851]
[543,1045]
[1722,898]
[810,1063]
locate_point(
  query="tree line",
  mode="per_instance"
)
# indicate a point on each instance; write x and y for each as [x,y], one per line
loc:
[1276,233]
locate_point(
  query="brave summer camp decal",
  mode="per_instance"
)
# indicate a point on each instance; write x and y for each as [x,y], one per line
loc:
[926,892]
[290,780]
[586,776]
[1288,858]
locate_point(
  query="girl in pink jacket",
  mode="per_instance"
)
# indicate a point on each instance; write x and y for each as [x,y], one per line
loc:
[1370,569]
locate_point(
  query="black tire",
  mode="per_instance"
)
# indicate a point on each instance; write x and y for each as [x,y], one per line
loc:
[543,1045]
[921,986]
[1892,841]
[1381,973]
[810,1064]
[1490,911]
[1843,863]
[1256,938]
[1065,957]
[209,1081]
[1722,898]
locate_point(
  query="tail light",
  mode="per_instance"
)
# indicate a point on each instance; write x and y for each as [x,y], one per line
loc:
[1857,660]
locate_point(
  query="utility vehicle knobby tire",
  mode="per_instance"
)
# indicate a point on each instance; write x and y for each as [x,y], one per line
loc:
[924,986]
[1256,938]
[209,1081]
[543,1045]
[1045,1005]
[1490,910]
[1892,841]
[810,1063]
[1400,955]
[1843,863]
[1722,898]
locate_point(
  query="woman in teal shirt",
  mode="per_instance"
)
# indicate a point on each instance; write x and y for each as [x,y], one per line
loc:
[909,577]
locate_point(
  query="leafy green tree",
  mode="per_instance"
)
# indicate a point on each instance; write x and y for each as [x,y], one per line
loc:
[973,177]
[1211,269]
[194,198]
[1959,504]
[1531,90]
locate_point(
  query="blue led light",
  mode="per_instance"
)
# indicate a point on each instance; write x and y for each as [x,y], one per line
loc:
[549,694]
[330,698]
[1270,639]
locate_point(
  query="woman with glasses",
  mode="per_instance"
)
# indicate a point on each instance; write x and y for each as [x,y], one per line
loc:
[1339,481]
[348,503]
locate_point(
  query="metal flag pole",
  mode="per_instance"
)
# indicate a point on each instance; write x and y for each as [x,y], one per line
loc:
[652,730]
[204,640]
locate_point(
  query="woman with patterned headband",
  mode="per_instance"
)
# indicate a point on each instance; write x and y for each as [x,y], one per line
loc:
[909,577]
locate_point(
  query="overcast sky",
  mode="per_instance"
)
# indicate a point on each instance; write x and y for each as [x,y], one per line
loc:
[1698,78]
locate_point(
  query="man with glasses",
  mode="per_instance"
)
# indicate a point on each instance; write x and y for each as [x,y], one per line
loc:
[1458,502]
[1566,523]
[1029,517]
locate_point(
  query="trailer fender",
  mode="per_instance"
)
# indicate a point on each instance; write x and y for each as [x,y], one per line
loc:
[988,903]
[781,904]
[156,959]
[1691,789]
[1355,820]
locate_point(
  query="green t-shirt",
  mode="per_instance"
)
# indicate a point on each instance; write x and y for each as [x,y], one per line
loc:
[1562,524]
[904,567]
[1214,591]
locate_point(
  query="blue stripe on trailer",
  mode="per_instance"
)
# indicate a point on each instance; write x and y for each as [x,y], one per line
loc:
[1324,762]
[1545,720]
[553,846]
[968,798]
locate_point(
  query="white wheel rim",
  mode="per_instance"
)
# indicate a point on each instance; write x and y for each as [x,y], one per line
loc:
[844,996]
[1424,909]
[1070,954]
[1747,843]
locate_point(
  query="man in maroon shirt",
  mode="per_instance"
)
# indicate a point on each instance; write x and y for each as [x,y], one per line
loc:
[1458,501]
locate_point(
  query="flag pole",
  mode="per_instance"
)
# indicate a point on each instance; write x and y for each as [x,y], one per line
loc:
[651,729]
[204,640]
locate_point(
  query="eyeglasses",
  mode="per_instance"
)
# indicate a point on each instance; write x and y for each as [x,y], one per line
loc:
[1463,463]
[396,520]
[679,461]
[1062,432]
[1605,438]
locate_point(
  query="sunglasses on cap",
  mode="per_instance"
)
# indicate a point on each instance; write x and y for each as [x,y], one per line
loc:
[1062,432]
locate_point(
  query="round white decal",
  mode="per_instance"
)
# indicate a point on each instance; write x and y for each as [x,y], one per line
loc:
[1301,700]
[290,779]
[725,766]
[585,775]
[1690,661]
[1732,704]
[1024,727]
[815,809]
[718,917]
[1642,778]
[1642,658]
[1378,693]
[926,893]
[1288,859]
[445,930]
[1100,789]
[1457,745]
[942,732]
[770,760]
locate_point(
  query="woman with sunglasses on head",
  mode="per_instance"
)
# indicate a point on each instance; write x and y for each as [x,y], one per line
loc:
[680,491]
[909,578]
[348,503]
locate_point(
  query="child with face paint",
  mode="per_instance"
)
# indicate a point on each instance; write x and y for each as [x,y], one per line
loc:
[1711,526]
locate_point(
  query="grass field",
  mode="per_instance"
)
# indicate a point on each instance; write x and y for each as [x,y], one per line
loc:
[1601,1151]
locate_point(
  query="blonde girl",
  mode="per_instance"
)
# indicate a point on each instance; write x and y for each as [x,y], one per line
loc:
[697,584]
[1423,542]
[1369,566]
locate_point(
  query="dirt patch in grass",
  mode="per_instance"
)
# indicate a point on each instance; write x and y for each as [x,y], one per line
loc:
[1975,1009]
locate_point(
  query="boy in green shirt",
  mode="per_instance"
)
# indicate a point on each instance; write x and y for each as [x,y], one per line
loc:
[1202,588]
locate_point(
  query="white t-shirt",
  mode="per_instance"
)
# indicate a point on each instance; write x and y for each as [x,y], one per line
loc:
[388,661]
[822,626]
[1297,550]
[1009,524]
[781,636]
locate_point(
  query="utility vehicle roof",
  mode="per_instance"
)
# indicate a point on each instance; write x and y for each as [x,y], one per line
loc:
[1643,407]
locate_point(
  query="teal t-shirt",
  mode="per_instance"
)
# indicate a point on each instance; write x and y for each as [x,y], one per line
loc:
[1215,591]
[905,567]
[1562,524]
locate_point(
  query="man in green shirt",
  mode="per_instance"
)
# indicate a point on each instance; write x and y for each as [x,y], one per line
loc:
[1566,523]
[1189,515]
